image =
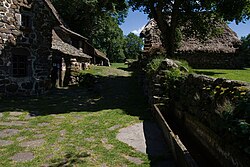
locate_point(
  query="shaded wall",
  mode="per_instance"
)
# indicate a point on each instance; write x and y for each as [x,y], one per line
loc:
[36,40]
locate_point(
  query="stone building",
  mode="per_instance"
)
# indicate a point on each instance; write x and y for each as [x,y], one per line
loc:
[37,51]
[100,58]
[25,46]
[67,61]
[218,52]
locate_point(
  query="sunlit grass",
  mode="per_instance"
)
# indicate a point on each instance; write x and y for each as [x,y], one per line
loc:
[77,122]
[237,74]
[119,65]
[115,70]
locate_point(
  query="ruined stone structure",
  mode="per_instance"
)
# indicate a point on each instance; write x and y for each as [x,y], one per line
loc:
[25,46]
[218,52]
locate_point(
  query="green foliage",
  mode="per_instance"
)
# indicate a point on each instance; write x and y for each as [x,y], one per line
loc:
[179,36]
[133,46]
[184,66]
[232,105]
[174,80]
[87,80]
[153,65]
[245,42]
[109,38]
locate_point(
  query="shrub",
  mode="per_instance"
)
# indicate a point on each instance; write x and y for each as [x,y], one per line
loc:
[87,79]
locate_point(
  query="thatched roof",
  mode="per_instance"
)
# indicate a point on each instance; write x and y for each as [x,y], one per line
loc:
[101,54]
[65,48]
[227,42]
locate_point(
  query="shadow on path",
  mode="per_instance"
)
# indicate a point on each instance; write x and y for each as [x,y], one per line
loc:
[158,151]
[112,92]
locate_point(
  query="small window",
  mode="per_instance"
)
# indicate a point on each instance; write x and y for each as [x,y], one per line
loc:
[19,63]
[26,21]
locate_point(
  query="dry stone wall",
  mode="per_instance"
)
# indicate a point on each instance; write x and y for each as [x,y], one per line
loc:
[214,111]
[202,60]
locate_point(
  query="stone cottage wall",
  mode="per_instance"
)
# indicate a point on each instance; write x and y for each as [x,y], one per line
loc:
[37,42]
[75,68]
[214,111]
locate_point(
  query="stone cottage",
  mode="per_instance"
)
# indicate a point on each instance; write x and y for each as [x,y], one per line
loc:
[67,61]
[67,53]
[25,46]
[37,51]
[218,52]
[100,58]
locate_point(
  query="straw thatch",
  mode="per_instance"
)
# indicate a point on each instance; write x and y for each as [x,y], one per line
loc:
[227,42]
[65,48]
[101,54]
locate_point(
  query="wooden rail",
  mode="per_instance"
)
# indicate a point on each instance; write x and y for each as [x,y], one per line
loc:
[180,152]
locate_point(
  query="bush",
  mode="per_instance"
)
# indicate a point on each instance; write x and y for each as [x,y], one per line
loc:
[153,65]
[87,80]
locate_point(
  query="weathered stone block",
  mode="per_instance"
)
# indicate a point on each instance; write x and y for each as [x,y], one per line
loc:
[3,9]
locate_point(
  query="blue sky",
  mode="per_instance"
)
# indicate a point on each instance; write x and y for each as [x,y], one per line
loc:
[137,20]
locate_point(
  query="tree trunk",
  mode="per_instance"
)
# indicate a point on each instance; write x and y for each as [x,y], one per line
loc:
[168,30]
[173,26]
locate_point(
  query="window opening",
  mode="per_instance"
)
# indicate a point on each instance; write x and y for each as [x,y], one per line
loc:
[19,65]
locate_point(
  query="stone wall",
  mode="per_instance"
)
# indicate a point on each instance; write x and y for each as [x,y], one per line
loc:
[75,68]
[214,111]
[212,60]
[36,41]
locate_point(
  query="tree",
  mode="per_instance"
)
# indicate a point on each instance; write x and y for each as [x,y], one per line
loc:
[98,21]
[109,38]
[199,17]
[133,46]
[245,42]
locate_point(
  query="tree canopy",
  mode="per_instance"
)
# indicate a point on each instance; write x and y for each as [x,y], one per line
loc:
[245,42]
[199,17]
[133,46]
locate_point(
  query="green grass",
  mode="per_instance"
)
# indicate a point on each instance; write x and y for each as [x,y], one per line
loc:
[115,70]
[241,75]
[119,65]
[78,121]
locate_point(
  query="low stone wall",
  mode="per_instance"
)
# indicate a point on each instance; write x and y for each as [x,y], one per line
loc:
[211,60]
[214,111]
